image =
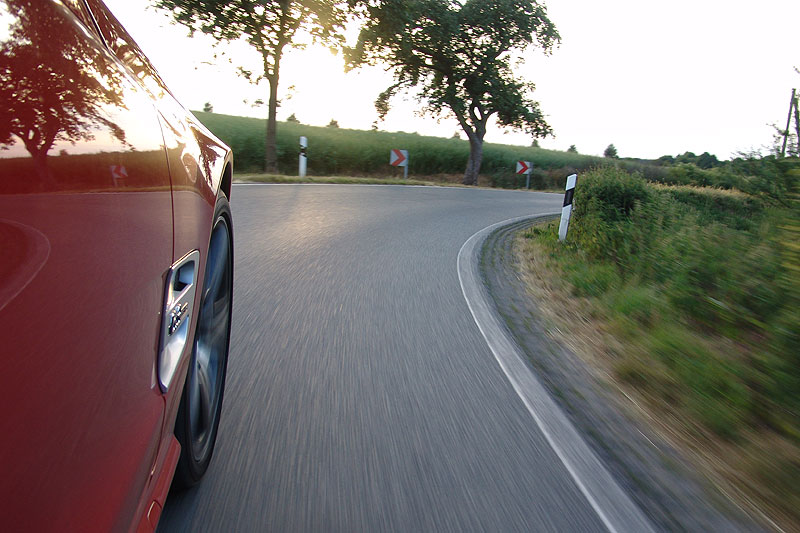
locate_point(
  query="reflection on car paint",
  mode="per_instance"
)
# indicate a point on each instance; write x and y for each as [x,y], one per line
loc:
[25,252]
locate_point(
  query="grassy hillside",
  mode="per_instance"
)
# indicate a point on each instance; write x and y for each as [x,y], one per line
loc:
[339,151]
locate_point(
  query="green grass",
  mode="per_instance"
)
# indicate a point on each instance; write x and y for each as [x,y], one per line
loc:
[340,152]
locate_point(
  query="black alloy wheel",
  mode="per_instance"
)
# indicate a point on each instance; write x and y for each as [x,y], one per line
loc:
[199,413]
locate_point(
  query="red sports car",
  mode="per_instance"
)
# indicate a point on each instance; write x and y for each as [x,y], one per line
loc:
[116,275]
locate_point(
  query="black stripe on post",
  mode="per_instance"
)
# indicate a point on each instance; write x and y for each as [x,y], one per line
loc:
[568,197]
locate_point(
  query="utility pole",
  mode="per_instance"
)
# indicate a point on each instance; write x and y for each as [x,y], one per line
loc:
[792,109]
[797,120]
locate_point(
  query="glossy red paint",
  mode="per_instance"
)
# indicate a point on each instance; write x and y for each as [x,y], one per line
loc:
[105,180]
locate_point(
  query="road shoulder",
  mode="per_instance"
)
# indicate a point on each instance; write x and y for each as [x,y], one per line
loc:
[653,473]
[610,501]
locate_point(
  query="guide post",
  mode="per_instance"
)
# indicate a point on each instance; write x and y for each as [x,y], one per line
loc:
[303,158]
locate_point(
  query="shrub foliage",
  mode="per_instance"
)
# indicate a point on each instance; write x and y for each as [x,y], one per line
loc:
[711,277]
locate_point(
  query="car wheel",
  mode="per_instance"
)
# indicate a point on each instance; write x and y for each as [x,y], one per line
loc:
[199,412]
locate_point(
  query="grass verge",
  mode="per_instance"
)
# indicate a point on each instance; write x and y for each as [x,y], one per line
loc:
[686,301]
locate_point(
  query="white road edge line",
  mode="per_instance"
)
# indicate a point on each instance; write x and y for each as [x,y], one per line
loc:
[613,506]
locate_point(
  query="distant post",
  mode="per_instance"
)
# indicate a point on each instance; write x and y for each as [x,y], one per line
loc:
[566,210]
[303,157]
[525,167]
[399,158]
[792,107]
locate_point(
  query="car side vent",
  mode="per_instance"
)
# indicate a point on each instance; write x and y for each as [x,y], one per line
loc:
[177,316]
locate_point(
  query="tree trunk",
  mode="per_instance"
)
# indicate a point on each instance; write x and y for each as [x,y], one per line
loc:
[474,161]
[270,149]
[47,180]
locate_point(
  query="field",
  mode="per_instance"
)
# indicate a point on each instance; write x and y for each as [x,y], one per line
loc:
[358,153]
[344,152]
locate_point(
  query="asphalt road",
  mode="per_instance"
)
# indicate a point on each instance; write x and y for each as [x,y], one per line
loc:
[361,395]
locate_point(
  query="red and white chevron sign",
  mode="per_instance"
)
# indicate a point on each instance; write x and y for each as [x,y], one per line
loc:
[398,158]
[524,167]
[118,172]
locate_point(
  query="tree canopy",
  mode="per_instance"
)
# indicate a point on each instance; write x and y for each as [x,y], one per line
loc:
[268,26]
[459,54]
[704,160]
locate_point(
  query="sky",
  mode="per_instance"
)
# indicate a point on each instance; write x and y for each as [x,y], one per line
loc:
[653,78]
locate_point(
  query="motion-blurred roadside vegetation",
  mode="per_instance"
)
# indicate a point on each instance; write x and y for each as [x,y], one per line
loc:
[702,286]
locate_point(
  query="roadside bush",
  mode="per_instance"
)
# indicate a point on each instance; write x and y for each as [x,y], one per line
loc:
[592,280]
[694,264]
[705,311]
[637,302]
[707,384]
[688,174]
[608,208]
[736,210]
[610,193]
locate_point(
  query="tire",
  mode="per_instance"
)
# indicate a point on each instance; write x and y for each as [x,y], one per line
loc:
[197,422]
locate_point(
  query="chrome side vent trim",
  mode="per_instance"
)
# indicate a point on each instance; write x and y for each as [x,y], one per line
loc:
[177,316]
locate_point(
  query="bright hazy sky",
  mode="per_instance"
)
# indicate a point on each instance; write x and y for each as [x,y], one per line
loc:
[653,78]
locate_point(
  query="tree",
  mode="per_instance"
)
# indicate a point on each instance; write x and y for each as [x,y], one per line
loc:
[333,124]
[611,152]
[707,161]
[208,108]
[269,26]
[535,143]
[459,55]
[293,118]
[572,149]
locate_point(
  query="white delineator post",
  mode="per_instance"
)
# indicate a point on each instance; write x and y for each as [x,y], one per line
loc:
[566,211]
[303,157]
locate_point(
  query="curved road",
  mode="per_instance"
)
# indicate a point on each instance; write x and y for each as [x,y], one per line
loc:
[361,395]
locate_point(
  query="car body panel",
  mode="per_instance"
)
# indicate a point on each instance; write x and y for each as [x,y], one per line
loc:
[89,227]
[198,163]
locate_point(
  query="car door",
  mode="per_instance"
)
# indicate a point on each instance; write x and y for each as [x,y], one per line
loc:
[87,239]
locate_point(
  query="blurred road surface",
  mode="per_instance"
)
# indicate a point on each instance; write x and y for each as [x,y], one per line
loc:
[361,395]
